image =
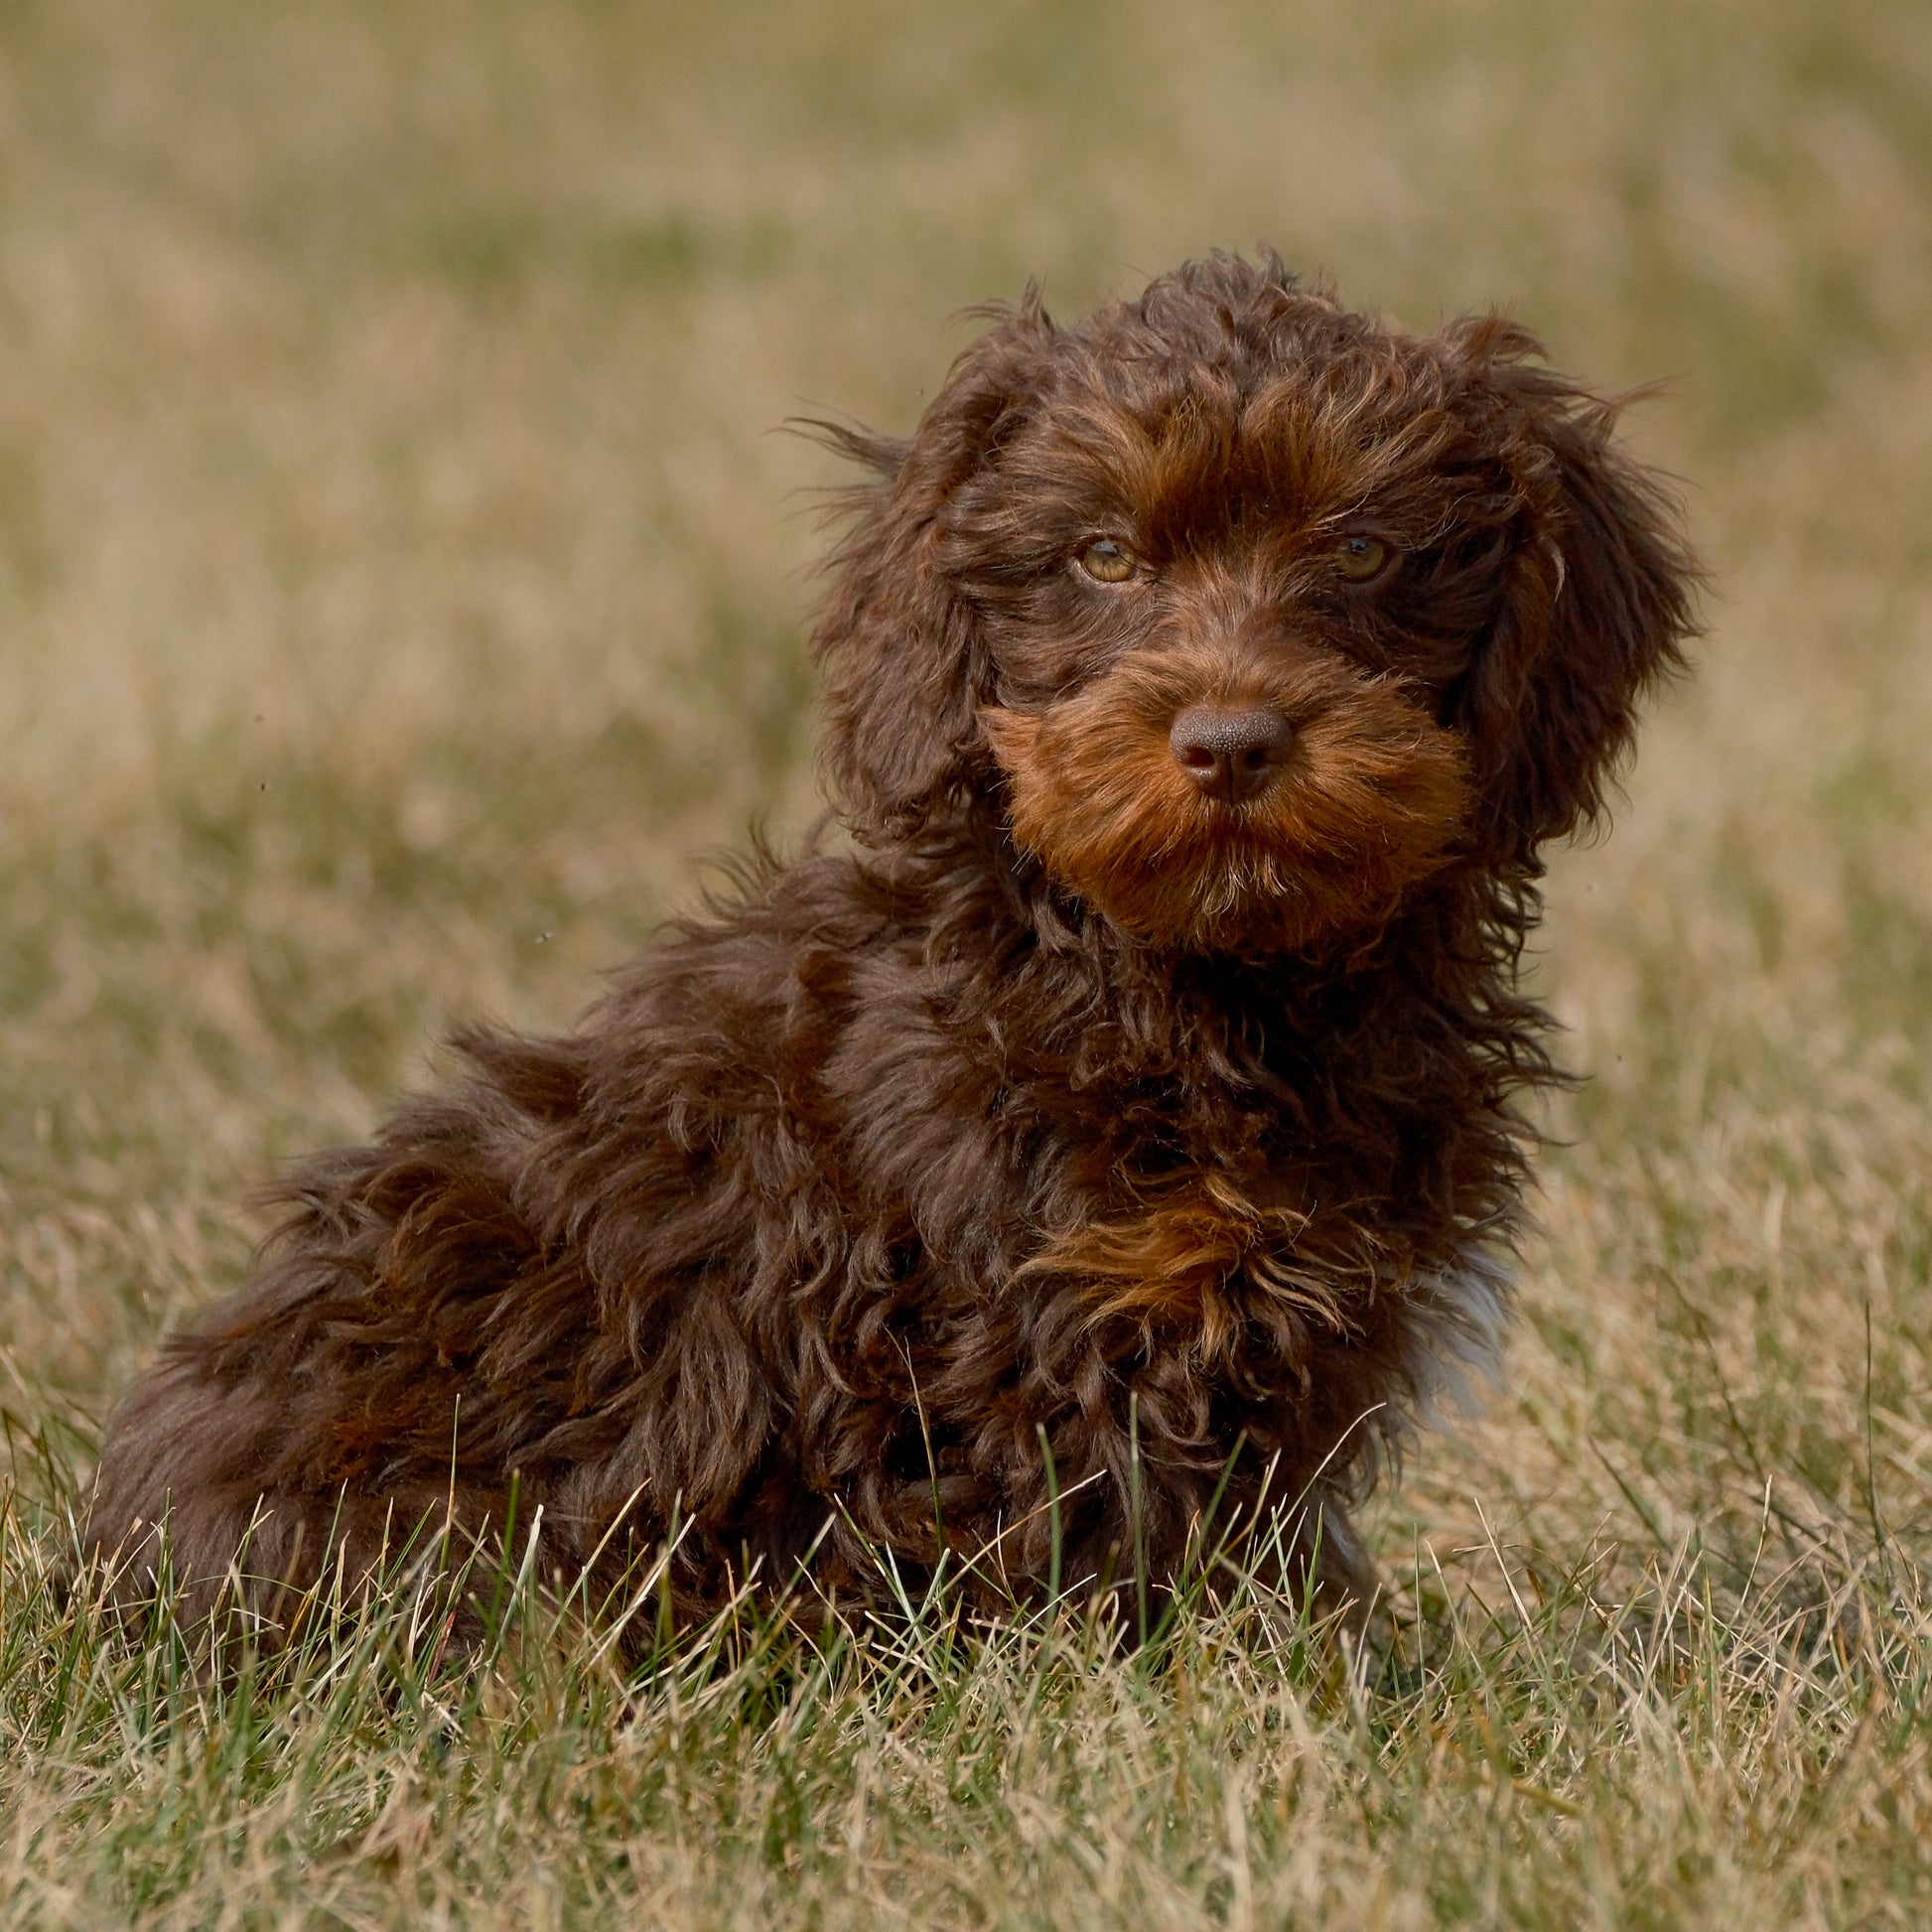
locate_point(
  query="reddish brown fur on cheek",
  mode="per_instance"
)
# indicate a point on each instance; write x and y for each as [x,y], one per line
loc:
[1372,800]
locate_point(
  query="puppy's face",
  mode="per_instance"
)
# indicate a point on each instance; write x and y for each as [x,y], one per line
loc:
[1226,619]
[1252,613]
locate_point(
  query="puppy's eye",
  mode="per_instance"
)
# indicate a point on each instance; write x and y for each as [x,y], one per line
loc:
[1361,558]
[1108,561]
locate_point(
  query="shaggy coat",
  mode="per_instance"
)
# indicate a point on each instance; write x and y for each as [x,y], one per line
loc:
[1122,1116]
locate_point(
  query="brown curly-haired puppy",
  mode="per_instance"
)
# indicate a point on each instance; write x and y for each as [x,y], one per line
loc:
[1127,1111]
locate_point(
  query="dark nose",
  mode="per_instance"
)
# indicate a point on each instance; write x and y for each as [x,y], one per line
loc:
[1233,755]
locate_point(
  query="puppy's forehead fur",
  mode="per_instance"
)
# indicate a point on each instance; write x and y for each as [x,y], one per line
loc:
[1182,409]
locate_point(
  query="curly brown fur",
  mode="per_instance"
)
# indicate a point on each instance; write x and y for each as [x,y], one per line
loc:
[1090,1112]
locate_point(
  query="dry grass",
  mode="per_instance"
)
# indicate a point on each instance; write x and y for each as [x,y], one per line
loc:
[397,590]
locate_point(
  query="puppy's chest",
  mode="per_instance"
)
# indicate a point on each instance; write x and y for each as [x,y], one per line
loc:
[1172,1162]
[1202,1251]
[1192,1202]
[1263,1141]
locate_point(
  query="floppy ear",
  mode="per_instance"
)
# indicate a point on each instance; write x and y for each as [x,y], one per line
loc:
[1597,605]
[905,669]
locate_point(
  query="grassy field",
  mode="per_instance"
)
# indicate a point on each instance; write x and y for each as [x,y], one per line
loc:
[400,592]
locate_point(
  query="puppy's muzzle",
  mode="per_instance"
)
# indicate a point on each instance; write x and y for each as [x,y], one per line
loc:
[1233,755]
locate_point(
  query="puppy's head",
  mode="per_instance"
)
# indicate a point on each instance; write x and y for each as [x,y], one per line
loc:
[1250,613]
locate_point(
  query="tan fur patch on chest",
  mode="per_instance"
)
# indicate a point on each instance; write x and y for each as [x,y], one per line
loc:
[1195,1262]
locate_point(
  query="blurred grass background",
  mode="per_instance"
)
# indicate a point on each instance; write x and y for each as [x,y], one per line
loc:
[401,588]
